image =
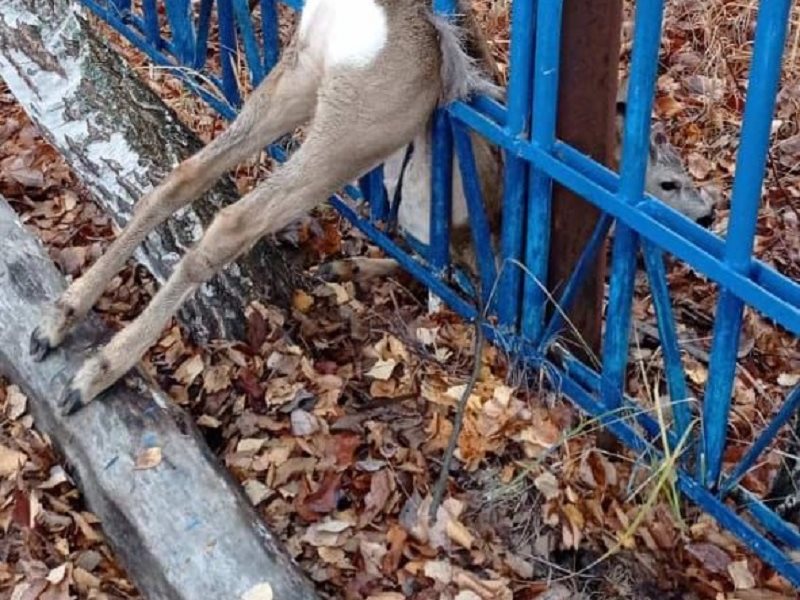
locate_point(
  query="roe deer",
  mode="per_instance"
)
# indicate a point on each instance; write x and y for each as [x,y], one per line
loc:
[366,75]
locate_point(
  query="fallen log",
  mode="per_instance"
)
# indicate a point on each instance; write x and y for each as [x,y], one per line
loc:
[120,139]
[181,525]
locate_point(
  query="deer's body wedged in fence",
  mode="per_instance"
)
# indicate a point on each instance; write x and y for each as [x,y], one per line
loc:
[666,179]
[366,75]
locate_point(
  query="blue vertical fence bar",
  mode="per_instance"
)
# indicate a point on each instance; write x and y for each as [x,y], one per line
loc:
[181,23]
[270,34]
[241,11]
[203,29]
[228,52]
[373,191]
[644,62]
[151,27]
[543,135]
[441,192]
[773,19]
[673,367]
[515,181]
[442,173]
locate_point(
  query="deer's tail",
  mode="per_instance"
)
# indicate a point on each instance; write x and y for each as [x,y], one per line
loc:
[467,65]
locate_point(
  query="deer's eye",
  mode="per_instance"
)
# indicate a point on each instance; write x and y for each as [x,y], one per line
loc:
[669,186]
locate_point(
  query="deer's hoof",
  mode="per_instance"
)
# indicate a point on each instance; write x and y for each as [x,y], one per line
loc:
[39,346]
[338,270]
[92,378]
[327,272]
[72,402]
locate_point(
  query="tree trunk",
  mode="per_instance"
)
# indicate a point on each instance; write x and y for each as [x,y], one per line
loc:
[588,87]
[121,140]
[182,528]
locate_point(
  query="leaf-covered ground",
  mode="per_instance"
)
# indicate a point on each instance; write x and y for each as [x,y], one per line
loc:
[334,414]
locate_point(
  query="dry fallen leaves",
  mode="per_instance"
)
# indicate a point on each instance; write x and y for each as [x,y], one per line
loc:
[16,402]
[10,461]
[149,458]
[741,576]
[260,591]
[271,404]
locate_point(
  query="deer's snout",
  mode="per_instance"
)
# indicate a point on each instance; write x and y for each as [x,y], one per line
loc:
[708,219]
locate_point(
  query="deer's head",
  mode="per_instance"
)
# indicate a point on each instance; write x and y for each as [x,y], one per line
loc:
[667,178]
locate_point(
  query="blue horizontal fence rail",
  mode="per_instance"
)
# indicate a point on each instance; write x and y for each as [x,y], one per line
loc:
[176,34]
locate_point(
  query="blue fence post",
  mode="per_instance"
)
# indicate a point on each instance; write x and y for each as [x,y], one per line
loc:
[241,11]
[523,26]
[228,52]
[151,27]
[269,33]
[372,188]
[673,367]
[441,192]
[543,114]
[181,23]
[646,40]
[442,173]
[773,19]
[203,28]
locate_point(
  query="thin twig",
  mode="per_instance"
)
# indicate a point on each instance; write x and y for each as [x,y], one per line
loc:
[441,483]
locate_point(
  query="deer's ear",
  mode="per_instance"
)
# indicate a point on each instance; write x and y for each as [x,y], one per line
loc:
[658,143]
[660,138]
[654,149]
[653,152]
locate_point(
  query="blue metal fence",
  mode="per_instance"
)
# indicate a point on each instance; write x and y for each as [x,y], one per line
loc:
[524,127]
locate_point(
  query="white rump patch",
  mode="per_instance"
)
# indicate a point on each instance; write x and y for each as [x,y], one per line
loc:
[343,32]
[414,214]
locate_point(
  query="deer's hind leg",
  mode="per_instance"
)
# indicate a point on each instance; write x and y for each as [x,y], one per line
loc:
[351,133]
[358,268]
[283,101]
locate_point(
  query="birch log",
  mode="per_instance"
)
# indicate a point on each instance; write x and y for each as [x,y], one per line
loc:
[121,140]
[181,526]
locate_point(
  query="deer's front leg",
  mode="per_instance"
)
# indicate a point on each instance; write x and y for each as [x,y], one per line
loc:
[284,100]
[235,229]
[348,135]
[184,183]
[230,234]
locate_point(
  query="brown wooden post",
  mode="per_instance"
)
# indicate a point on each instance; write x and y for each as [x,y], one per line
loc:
[589,63]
